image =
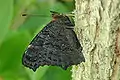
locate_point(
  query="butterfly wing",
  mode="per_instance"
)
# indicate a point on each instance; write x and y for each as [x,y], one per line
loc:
[54,45]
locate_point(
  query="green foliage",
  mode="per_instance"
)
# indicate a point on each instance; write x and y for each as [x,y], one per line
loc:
[16,32]
[6,8]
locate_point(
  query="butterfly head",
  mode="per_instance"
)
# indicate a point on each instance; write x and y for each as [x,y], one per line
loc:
[67,19]
[56,15]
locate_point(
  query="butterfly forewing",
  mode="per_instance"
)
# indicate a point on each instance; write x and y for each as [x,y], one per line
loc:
[56,45]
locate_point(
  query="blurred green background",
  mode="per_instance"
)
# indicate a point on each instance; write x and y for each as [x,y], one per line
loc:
[17,31]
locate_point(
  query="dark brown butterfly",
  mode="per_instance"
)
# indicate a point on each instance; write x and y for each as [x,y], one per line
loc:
[56,44]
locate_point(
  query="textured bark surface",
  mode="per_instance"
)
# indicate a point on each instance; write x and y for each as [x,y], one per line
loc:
[99,34]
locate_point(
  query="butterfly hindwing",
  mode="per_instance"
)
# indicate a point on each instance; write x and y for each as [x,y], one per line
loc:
[55,45]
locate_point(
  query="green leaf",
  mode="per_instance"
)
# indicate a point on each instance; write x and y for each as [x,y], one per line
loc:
[38,74]
[57,73]
[6,13]
[11,52]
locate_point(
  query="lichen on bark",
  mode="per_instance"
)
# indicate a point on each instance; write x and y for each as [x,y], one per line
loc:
[98,32]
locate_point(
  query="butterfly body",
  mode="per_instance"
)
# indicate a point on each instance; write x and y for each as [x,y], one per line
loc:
[56,44]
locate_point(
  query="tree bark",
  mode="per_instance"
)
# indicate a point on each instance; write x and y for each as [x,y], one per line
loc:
[98,29]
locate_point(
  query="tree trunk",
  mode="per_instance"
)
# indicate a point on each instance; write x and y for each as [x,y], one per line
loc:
[98,29]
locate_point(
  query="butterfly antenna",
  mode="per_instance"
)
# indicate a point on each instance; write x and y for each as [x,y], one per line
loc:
[25,14]
[54,12]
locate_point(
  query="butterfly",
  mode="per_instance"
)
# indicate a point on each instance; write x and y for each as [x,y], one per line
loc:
[56,44]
